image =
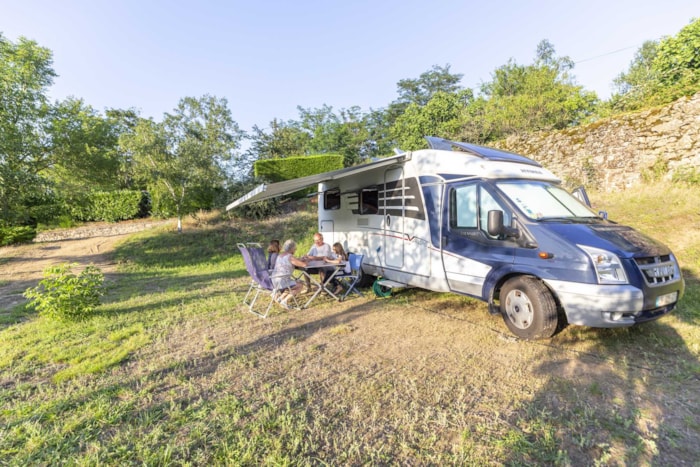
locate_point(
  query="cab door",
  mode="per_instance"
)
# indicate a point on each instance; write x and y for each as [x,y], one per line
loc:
[469,253]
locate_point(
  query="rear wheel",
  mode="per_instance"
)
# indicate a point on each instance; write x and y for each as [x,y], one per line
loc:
[528,308]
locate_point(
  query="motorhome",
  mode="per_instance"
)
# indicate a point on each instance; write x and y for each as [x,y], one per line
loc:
[493,225]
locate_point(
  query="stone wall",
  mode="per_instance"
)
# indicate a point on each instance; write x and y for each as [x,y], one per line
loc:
[618,152]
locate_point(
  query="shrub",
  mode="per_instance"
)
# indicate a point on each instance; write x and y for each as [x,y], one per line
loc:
[110,206]
[63,296]
[16,234]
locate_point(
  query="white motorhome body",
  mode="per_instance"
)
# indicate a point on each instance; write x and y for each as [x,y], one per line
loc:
[496,226]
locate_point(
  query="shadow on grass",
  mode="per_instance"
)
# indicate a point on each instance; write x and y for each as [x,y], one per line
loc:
[632,399]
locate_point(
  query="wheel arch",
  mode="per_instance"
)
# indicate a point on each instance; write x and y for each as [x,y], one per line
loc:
[495,283]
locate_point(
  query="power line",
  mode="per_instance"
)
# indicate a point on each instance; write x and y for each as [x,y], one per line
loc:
[606,54]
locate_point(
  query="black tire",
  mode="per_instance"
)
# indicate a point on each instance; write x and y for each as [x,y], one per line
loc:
[528,308]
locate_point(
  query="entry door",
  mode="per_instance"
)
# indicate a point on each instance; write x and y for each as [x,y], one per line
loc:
[393,203]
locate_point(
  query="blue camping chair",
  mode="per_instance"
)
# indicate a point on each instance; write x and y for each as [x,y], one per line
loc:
[349,281]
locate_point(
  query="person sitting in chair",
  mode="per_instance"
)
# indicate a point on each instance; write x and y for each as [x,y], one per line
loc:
[338,257]
[317,252]
[282,274]
[273,251]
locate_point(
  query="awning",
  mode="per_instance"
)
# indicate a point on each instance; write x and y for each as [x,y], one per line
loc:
[264,191]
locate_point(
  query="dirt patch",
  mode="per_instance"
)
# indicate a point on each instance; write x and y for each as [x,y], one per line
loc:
[22,266]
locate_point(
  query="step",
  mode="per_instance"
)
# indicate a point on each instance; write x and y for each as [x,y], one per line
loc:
[391,284]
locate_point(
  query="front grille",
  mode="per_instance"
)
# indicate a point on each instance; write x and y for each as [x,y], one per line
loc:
[658,270]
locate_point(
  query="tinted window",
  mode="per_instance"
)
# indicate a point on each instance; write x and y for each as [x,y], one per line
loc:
[331,199]
[369,201]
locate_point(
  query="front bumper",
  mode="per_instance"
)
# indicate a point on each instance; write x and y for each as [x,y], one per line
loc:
[610,306]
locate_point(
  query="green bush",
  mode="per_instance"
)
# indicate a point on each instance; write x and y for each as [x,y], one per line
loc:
[64,296]
[16,234]
[109,206]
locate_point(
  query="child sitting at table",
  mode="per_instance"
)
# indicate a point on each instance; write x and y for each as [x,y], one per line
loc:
[339,256]
[273,252]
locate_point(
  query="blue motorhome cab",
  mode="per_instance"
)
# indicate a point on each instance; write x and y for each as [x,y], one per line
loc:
[496,226]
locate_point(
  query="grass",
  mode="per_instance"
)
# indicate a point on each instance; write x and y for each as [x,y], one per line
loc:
[171,371]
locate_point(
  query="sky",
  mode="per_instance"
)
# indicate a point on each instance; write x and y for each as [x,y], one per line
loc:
[267,57]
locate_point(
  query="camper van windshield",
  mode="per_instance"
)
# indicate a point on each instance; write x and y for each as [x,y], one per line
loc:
[542,201]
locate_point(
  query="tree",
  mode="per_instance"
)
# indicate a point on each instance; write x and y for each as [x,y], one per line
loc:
[85,148]
[524,98]
[441,116]
[420,90]
[284,139]
[661,72]
[187,153]
[25,74]
[677,63]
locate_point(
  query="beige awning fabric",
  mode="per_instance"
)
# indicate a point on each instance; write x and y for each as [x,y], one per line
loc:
[263,192]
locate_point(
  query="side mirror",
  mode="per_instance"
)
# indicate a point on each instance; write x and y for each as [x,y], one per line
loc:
[495,223]
[495,226]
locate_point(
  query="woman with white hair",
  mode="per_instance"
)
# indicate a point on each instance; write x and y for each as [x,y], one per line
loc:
[284,268]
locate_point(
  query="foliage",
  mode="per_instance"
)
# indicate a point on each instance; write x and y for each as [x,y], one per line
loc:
[255,211]
[284,139]
[109,206]
[442,116]
[525,98]
[16,234]
[63,296]
[661,72]
[421,90]
[25,75]
[689,175]
[187,152]
[356,135]
[85,148]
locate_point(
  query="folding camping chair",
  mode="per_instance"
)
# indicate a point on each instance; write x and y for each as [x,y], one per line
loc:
[349,281]
[261,279]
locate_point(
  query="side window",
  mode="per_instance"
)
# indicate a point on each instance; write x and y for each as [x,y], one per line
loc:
[331,199]
[488,203]
[463,207]
[369,201]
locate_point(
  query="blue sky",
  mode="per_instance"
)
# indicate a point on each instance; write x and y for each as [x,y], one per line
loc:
[268,57]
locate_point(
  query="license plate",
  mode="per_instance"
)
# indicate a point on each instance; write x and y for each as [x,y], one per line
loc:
[666,299]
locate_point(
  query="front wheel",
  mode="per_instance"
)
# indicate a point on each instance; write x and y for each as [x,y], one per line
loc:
[528,308]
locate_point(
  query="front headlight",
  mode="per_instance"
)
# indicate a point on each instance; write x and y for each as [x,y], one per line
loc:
[607,265]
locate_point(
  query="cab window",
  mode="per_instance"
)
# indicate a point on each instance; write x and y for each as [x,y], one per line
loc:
[470,205]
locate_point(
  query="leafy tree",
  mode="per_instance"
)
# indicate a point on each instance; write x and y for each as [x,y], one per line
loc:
[187,153]
[345,133]
[524,98]
[677,64]
[284,139]
[422,89]
[441,116]
[25,74]
[85,148]
[661,72]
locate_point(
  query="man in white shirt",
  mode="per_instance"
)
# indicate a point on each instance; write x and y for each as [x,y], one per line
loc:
[317,252]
